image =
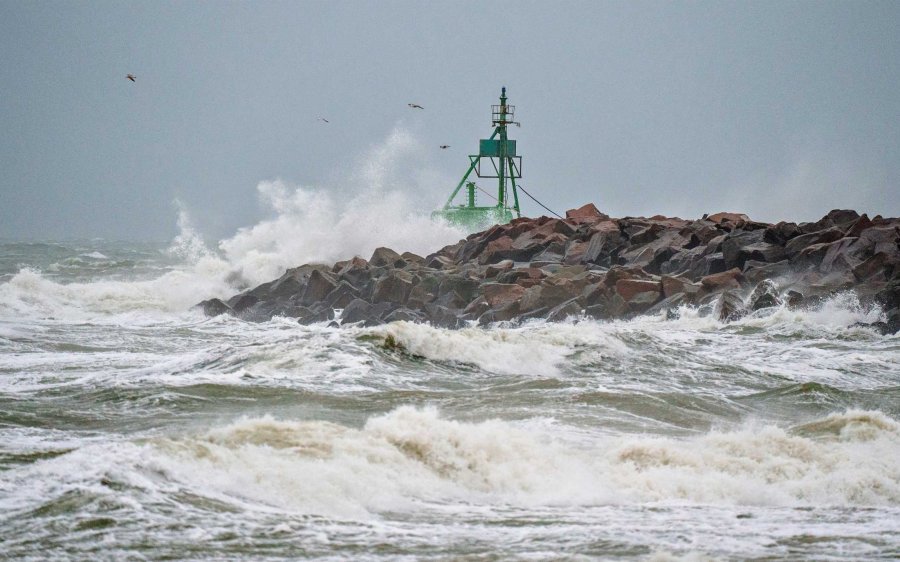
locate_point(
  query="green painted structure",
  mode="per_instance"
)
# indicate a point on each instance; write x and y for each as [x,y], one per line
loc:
[496,159]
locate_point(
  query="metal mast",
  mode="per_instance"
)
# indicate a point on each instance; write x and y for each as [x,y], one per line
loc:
[503,163]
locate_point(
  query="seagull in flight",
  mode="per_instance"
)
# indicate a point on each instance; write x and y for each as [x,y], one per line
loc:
[322,119]
[445,146]
[130,77]
[415,106]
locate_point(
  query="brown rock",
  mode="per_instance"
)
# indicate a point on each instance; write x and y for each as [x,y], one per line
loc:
[498,268]
[726,280]
[620,272]
[587,213]
[672,285]
[719,218]
[500,294]
[629,289]
[575,251]
[548,295]
[555,226]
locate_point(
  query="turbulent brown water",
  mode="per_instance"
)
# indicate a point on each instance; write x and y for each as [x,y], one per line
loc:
[132,427]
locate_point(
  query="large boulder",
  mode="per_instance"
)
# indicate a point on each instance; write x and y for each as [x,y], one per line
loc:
[392,288]
[360,311]
[214,307]
[730,307]
[586,213]
[341,295]
[765,295]
[734,246]
[779,234]
[730,279]
[565,310]
[760,252]
[500,294]
[629,289]
[798,243]
[839,256]
[385,257]
[318,285]
[675,285]
[547,295]
[872,266]
[755,271]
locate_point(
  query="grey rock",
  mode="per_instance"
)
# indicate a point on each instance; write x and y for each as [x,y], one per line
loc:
[797,244]
[318,286]
[214,307]
[765,295]
[730,307]
[391,288]
[385,257]
[565,310]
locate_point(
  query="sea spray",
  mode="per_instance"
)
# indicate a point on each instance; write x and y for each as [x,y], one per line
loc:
[313,227]
[376,206]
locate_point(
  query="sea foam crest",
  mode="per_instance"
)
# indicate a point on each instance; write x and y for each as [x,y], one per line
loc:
[408,456]
[415,454]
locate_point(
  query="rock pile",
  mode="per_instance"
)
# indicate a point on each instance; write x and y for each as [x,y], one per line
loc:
[590,264]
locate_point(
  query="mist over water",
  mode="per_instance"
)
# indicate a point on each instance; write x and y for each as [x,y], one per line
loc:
[131,426]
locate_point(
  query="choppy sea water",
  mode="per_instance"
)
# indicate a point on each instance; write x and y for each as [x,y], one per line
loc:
[132,427]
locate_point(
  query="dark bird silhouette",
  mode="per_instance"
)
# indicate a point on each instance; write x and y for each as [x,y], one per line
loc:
[130,77]
[415,106]
[324,120]
[445,146]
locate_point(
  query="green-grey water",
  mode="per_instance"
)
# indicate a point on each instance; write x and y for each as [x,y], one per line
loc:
[132,427]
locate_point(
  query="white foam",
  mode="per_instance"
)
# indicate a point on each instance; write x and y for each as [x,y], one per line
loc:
[95,256]
[30,293]
[507,351]
[412,455]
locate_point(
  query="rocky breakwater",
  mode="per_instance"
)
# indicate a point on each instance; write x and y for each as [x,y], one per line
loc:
[595,266]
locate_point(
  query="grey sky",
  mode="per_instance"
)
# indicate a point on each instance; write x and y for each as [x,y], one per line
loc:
[778,109]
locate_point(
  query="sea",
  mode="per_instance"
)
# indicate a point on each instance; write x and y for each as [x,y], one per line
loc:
[132,427]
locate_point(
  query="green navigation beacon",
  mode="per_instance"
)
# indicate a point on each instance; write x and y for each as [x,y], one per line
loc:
[496,159]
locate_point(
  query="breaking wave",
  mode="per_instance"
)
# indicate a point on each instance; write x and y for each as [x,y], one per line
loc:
[412,455]
[848,458]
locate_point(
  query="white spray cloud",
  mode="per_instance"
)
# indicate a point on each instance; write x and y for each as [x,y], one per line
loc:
[386,204]
[384,200]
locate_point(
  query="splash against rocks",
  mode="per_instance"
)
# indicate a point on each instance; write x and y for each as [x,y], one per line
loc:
[594,266]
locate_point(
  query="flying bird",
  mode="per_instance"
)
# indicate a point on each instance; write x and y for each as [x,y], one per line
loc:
[445,146]
[324,120]
[415,106]
[130,77]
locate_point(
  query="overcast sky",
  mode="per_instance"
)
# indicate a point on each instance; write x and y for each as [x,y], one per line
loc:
[783,110]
